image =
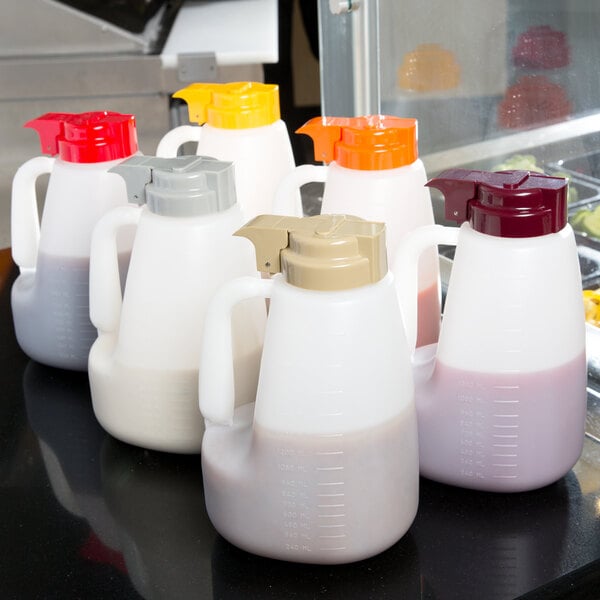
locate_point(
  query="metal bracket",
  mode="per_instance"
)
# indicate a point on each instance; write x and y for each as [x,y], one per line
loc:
[200,66]
[339,7]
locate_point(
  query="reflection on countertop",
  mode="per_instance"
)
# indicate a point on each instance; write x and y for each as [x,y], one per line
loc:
[86,516]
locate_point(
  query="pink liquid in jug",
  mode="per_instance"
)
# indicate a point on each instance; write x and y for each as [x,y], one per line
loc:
[329,498]
[428,319]
[501,432]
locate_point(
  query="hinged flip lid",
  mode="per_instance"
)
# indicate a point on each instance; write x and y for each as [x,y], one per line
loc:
[325,252]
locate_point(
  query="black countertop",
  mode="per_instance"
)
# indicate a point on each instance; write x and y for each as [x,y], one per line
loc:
[86,516]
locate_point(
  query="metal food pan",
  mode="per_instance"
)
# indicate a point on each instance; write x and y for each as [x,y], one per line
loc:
[589,263]
[584,166]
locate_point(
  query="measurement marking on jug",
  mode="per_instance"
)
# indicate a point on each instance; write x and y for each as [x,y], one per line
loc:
[504,476]
[505,435]
[507,416]
[335,452]
[505,455]
[332,537]
[340,548]
[339,516]
[512,466]
[329,468]
[330,495]
[331,526]
[331,483]
[330,505]
[505,445]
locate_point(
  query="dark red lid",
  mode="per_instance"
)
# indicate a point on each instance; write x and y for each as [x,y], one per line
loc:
[506,203]
[87,137]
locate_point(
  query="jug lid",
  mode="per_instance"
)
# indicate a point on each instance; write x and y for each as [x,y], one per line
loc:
[237,105]
[185,186]
[369,143]
[505,203]
[324,252]
[87,137]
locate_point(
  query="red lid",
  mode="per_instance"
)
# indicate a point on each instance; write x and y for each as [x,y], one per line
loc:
[504,204]
[370,143]
[87,137]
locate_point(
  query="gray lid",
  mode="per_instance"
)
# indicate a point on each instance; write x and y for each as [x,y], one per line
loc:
[185,186]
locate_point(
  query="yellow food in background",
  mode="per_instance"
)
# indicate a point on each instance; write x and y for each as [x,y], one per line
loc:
[591,303]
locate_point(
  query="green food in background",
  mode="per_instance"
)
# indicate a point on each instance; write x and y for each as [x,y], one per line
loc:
[527,162]
[587,221]
[519,162]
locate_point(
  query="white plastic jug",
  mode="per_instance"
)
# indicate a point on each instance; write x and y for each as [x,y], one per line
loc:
[373,172]
[143,367]
[50,297]
[501,401]
[323,467]
[240,123]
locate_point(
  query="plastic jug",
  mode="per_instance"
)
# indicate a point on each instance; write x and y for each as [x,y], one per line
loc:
[240,123]
[501,402]
[322,468]
[50,297]
[374,172]
[143,367]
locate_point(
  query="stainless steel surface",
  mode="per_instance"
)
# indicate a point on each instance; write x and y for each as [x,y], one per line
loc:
[197,67]
[365,49]
[91,76]
[38,27]
[592,422]
[349,58]
[335,43]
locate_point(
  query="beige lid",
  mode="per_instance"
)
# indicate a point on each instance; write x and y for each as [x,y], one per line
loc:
[326,252]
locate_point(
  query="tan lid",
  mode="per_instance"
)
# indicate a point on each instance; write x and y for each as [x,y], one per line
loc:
[326,252]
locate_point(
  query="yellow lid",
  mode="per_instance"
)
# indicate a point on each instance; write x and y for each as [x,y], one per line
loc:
[325,252]
[239,105]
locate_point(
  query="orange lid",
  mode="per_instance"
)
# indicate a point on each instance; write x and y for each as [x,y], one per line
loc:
[370,143]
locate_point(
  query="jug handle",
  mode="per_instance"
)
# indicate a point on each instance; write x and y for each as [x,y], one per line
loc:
[25,220]
[288,200]
[172,140]
[405,270]
[105,282]
[216,390]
